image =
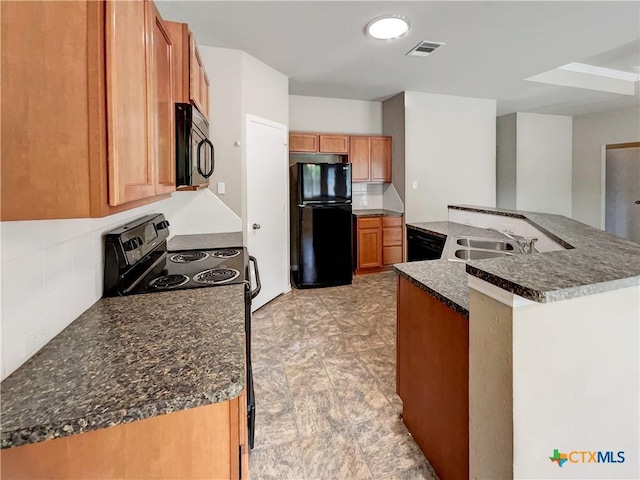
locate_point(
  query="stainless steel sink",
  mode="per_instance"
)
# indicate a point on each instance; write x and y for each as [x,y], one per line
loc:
[471,254]
[485,243]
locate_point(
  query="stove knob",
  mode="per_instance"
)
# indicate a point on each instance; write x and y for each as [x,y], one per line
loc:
[132,244]
[162,225]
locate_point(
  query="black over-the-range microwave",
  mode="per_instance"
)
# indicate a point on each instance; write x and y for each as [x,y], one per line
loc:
[195,155]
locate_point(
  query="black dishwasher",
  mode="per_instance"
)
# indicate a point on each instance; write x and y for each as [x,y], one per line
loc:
[423,246]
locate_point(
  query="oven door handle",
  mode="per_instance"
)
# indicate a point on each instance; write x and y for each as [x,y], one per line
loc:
[256,291]
[210,171]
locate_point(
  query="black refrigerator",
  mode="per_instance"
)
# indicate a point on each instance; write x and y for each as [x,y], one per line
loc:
[321,225]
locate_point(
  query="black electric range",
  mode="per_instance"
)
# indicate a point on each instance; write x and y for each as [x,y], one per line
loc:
[137,262]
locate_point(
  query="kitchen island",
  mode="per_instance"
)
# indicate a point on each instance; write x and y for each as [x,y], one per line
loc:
[491,336]
[140,386]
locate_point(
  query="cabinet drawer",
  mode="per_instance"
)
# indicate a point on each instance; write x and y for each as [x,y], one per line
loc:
[334,144]
[391,255]
[391,236]
[369,222]
[392,221]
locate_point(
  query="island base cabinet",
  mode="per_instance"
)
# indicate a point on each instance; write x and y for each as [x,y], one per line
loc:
[433,379]
[201,442]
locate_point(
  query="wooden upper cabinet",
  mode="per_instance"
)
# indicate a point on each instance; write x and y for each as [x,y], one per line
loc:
[162,112]
[84,145]
[371,159]
[306,142]
[359,157]
[303,142]
[338,144]
[191,83]
[381,159]
[199,82]
[131,170]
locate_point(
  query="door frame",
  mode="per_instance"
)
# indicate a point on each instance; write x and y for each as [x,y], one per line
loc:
[250,118]
[603,177]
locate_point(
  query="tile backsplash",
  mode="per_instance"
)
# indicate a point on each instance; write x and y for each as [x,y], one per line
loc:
[373,196]
[52,269]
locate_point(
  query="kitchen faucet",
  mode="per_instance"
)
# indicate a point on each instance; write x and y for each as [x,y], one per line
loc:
[525,244]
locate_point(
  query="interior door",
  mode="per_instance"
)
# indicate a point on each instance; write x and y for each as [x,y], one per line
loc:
[622,192]
[267,195]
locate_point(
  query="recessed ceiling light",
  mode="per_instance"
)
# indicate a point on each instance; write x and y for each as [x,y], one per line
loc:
[388,27]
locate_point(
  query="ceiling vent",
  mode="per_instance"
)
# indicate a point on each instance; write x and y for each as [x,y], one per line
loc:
[424,49]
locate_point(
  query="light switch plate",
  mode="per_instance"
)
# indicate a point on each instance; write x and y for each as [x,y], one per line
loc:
[414,185]
[221,188]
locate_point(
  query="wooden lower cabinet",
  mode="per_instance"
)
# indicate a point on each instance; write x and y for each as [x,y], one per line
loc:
[203,442]
[369,243]
[379,243]
[433,378]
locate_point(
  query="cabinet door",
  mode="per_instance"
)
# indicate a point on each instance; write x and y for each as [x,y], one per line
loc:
[195,74]
[204,94]
[359,157]
[334,144]
[131,166]
[381,159]
[369,248]
[162,116]
[303,142]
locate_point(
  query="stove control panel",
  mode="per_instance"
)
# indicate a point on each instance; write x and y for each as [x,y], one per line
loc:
[133,241]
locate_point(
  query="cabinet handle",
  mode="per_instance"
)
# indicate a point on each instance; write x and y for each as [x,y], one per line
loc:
[239,462]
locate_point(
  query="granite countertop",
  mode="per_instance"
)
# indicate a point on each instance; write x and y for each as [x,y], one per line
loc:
[127,359]
[598,262]
[376,213]
[205,241]
[444,279]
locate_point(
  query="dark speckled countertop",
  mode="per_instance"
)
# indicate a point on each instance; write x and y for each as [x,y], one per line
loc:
[376,213]
[127,359]
[205,241]
[599,262]
[444,279]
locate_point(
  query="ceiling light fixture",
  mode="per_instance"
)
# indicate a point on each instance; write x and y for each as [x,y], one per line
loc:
[388,27]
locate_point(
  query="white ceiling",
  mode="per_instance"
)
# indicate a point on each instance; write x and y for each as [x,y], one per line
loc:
[491,47]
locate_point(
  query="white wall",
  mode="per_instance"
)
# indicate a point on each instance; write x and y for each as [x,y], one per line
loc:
[224,67]
[240,85]
[543,163]
[265,94]
[393,124]
[506,161]
[450,152]
[585,398]
[334,115]
[52,270]
[590,133]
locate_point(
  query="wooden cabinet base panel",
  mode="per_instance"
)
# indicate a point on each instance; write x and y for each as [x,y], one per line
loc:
[433,379]
[364,271]
[196,443]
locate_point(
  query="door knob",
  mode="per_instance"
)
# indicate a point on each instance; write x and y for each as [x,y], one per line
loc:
[256,226]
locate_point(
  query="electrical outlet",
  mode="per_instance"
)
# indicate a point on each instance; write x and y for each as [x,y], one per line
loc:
[222,188]
[364,201]
[467,221]
[414,185]
[508,228]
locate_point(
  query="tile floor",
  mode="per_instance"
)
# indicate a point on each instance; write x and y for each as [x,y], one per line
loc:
[324,373]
